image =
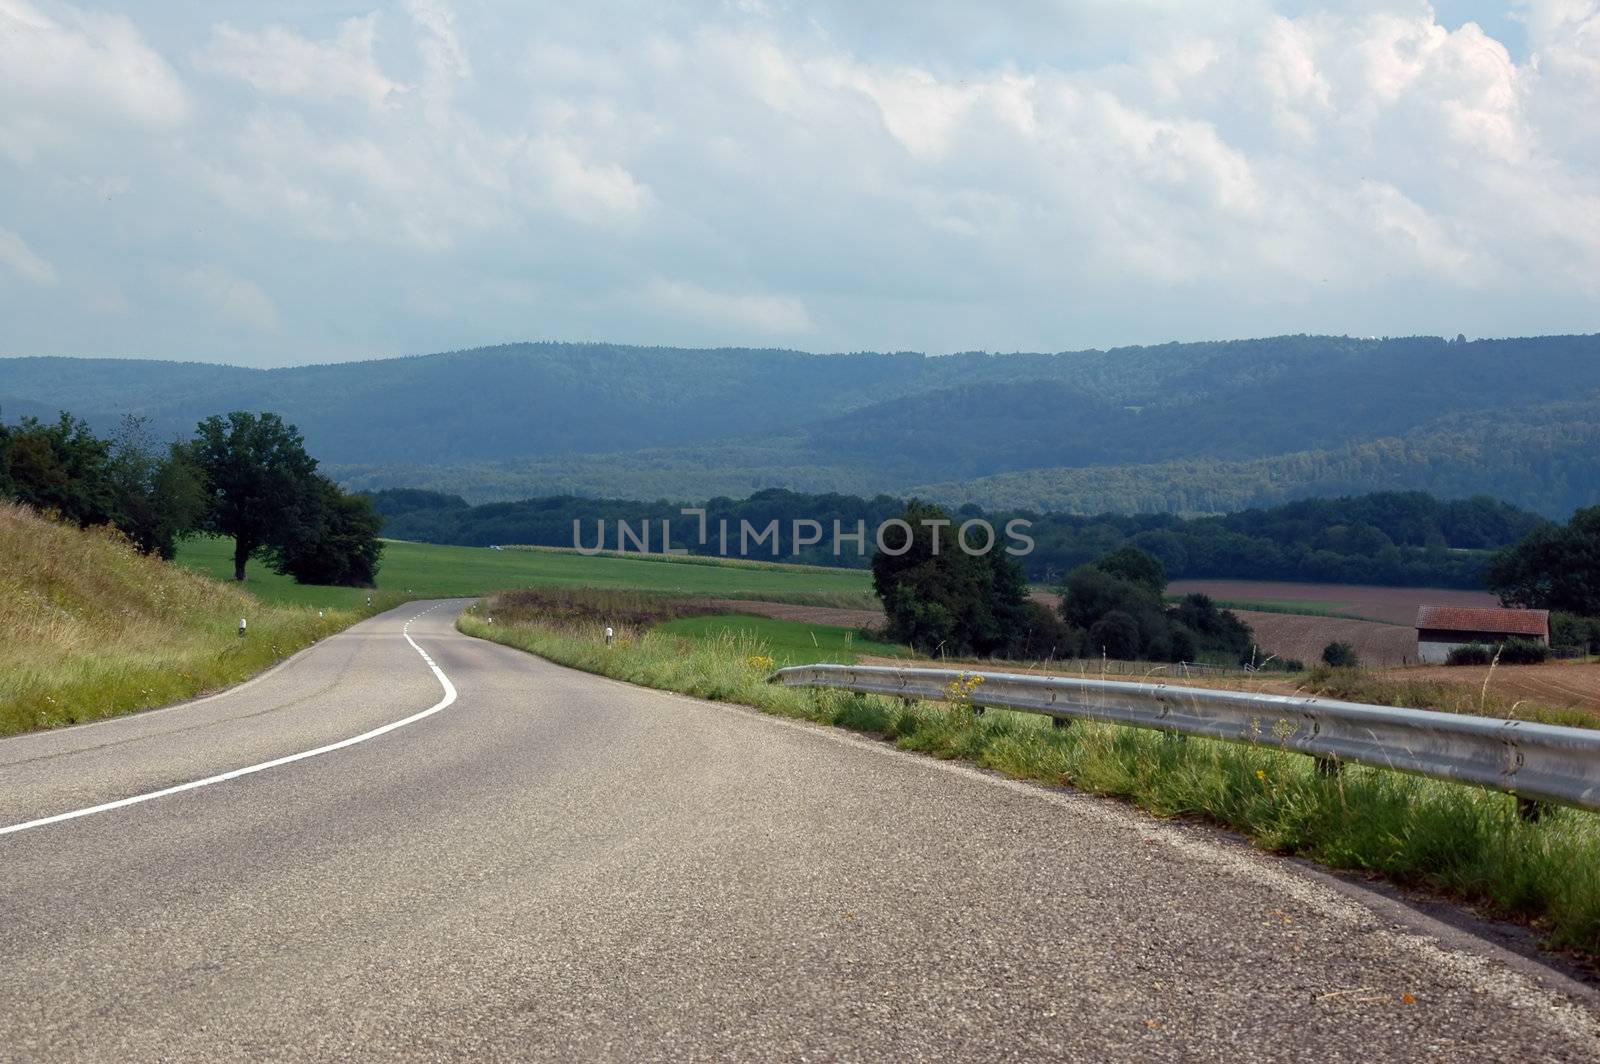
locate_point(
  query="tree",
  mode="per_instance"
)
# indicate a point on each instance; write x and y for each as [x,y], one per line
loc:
[60,467]
[1125,588]
[332,540]
[1557,567]
[257,476]
[157,498]
[939,597]
[1116,635]
[1137,567]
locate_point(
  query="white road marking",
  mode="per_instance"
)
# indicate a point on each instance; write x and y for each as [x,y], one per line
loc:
[443,703]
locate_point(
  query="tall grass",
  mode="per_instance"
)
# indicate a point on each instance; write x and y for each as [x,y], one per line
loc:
[90,628]
[1459,841]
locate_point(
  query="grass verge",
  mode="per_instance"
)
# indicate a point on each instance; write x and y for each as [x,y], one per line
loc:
[90,628]
[1458,841]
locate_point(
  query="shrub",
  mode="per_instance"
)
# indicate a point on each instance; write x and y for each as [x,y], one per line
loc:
[1471,654]
[1571,630]
[1340,655]
[1130,583]
[1523,652]
[1047,636]
[1116,635]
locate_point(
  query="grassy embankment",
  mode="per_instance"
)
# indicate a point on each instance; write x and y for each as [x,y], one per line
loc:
[90,628]
[1459,841]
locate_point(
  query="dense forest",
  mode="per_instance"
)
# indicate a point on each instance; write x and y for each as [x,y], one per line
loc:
[1181,428]
[1385,538]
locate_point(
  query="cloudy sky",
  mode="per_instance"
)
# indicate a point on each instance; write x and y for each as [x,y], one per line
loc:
[200,179]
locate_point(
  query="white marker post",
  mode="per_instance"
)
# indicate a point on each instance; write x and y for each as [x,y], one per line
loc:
[609,635]
[241,627]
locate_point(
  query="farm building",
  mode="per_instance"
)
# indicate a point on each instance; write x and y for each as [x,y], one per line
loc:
[1440,629]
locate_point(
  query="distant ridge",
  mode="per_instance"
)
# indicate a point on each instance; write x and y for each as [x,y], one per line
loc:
[1181,426]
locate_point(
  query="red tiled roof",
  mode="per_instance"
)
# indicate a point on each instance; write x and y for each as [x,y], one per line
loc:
[1485,619]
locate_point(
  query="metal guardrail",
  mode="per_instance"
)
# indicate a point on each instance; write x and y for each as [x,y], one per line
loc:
[1536,762]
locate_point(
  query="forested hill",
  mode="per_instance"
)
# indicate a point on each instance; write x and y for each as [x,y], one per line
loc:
[1176,427]
[1382,538]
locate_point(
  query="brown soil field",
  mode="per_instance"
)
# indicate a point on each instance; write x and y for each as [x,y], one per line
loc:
[1397,605]
[1293,635]
[1555,683]
[785,611]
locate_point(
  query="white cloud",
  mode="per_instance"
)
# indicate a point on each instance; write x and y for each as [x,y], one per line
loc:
[767,314]
[23,261]
[234,300]
[1045,176]
[69,76]
[278,61]
[444,58]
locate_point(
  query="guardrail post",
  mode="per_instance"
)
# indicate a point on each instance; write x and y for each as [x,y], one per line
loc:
[1531,810]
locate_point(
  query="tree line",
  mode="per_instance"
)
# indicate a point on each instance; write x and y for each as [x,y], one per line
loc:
[946,602]
[1389,538]
[243,476]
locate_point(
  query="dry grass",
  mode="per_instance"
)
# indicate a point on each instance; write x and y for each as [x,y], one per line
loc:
[90,628]
[1573,684]
[586,608]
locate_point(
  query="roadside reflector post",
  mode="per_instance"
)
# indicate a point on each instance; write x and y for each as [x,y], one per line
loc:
[241,627]
[369,600]
[610,635]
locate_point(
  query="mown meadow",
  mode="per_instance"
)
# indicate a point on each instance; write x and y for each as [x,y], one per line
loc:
[424,570]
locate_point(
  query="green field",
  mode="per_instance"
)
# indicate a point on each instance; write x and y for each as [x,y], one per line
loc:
[422,570]
[786,642]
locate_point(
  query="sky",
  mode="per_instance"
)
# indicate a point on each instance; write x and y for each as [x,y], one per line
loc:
[276,184]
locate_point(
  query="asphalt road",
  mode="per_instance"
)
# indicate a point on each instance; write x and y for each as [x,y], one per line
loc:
[556,866]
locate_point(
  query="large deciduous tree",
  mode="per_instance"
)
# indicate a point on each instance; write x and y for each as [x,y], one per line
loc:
[1555,568]
[258,477]
[938,597]
[333,540]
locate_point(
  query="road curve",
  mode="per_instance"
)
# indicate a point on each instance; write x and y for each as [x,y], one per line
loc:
[556,866]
